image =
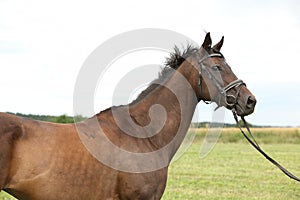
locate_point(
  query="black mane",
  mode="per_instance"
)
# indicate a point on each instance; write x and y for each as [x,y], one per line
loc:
[175,59]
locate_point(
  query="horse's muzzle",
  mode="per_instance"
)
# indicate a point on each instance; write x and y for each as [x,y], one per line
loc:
[245,104]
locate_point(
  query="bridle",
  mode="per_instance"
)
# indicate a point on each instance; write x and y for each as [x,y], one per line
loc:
[232,104]
[230,100]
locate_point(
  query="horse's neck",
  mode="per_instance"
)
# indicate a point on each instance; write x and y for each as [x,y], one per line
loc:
[167,111]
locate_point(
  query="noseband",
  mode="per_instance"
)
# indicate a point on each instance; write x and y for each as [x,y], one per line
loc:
[231,100]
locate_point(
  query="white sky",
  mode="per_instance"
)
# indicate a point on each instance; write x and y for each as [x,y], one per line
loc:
[43,45]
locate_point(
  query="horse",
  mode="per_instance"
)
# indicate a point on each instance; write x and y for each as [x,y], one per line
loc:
[50,161]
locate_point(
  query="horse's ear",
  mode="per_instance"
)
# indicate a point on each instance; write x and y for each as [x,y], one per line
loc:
[219,45]
[207,41]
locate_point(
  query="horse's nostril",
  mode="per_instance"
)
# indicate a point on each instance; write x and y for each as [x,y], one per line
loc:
[251,101]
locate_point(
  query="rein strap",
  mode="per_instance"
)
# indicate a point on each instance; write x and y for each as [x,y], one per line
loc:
[257,147]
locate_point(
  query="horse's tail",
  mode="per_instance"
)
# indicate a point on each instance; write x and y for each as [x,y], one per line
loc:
[10,130]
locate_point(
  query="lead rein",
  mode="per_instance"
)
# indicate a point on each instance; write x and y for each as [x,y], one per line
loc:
[257,147]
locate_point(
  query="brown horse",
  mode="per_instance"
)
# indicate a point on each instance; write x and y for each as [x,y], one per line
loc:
[40,160]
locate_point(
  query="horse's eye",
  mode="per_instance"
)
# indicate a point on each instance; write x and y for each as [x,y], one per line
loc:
[216,68]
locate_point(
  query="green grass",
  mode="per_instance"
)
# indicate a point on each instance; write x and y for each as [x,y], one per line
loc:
[5,196]
[234,170]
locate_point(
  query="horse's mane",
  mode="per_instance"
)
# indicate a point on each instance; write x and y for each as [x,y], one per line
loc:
[173,61]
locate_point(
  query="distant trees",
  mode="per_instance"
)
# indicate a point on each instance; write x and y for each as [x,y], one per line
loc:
[63,119]
[219,125]
[243,125]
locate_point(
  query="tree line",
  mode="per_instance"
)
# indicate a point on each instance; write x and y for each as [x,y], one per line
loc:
[63,119]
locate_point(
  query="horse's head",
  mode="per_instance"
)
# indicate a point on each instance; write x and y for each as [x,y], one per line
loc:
[218,83]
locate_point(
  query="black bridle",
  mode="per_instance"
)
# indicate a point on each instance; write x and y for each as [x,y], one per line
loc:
[232,105]
[230,100]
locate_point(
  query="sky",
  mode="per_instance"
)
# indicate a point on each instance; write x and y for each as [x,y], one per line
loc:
[43,45]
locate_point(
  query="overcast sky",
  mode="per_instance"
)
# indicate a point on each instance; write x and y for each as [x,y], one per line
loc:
[43,45]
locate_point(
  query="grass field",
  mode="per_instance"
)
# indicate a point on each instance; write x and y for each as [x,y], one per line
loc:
[234,170]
